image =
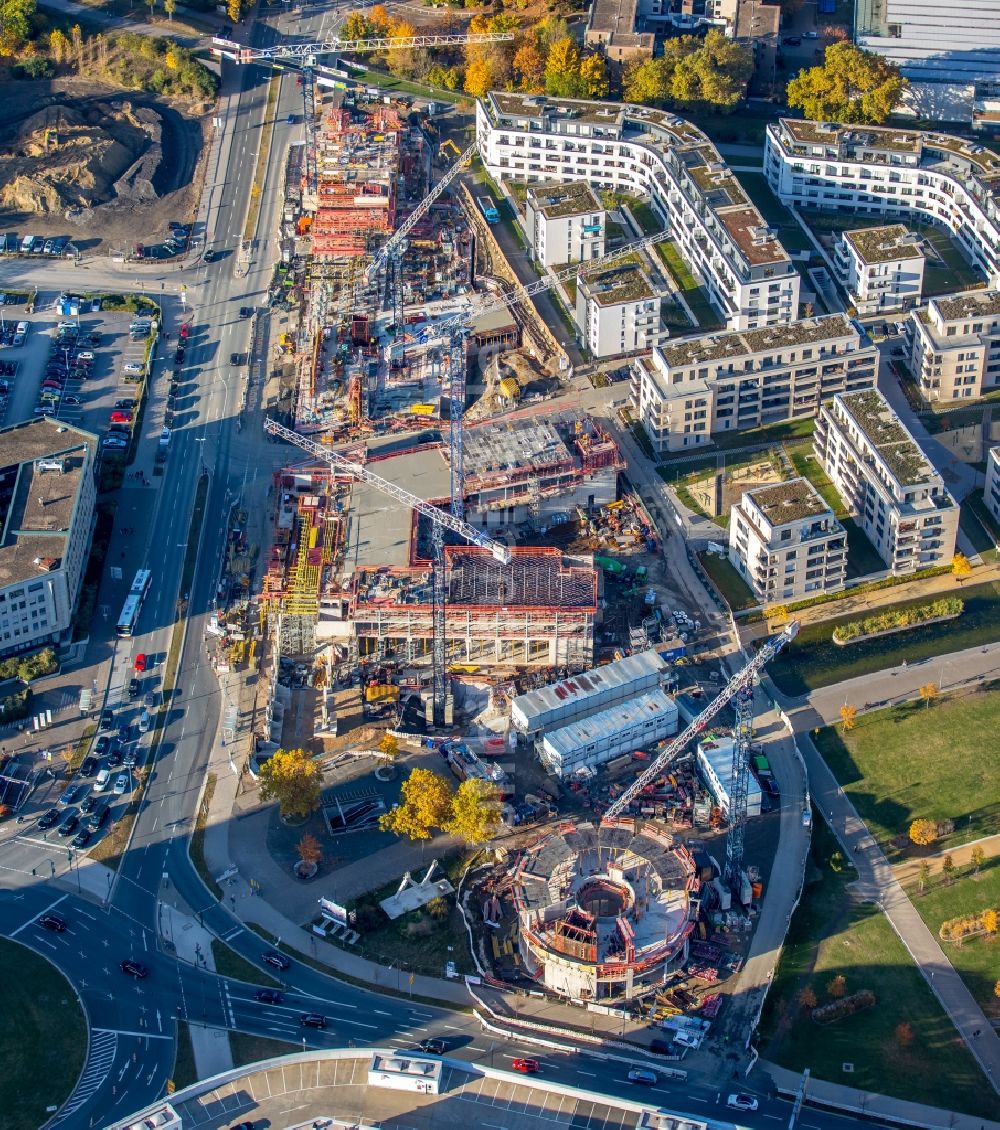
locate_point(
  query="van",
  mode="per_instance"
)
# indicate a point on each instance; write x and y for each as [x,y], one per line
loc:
[27,243]
[20,333]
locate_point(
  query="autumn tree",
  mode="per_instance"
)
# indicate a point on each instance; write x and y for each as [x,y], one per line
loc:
[438,908]
[309,849]
[593,77]
[960,567]
[927,692]
[837,986]
[848,716]
[529,67]
[715,74]
[234,10]
[904,1034]
[923,832]
[389,745]
[15,24]
[59,45]
[850,85]
[478,77]
[293,779]
[356,26]
[170,6]
[475,811]
[425,804]
[807,998]
[401,60]
[446,77]
[778,614]
[648,81]
[996,989]
[380,23]
[989,919]
[948,868]
[978,857]
[562,68]
[923,874]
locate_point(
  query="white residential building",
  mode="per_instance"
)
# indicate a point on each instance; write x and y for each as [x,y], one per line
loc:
[687,391]
[564,223]
[882,268]
[617,309]
[892,490]
[991,493]
[902,174]
[944,47]
[786,543]
[955,346]
[47,496]
[643,152]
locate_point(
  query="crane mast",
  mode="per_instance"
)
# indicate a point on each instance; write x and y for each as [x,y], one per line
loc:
[740,682]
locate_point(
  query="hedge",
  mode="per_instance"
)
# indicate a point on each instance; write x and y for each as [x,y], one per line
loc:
[891,619]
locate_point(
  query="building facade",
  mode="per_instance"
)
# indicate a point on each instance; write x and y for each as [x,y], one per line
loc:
[47,497]
[881,268]
[897,173]
[955,346]
[723,239]
[991,493]
[786,543]
[887,482]
[617,310]
[686,392]
[564,223]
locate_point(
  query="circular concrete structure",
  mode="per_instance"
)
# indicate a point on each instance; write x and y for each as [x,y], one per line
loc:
[605,911]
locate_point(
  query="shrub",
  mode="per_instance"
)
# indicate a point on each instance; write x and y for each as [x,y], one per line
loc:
[923,832]
[893,619]
[968,925]
[35,67]
[846,1006]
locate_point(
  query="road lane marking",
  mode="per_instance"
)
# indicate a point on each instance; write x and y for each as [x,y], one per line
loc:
[33,921]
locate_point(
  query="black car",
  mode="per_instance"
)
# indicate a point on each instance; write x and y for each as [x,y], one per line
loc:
[434,1046]
[278,960]
[269,996]
[89,803]
[124,734]
[792,41]
[134,688]
[52,922]
[69,825]
[661,1047]
[102,745]
[125,404]
[246,311]
[88,767]
[50,818]
[82,838]
[179,355]
[312,1020]
[114,758]
[133,969]
[107,719]
[209,255]
[235,358]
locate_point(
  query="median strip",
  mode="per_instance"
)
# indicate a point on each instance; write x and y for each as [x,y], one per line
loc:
[263,156]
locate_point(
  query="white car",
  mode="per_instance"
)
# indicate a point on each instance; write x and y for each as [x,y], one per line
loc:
[741,1102]
[121,784]
[101,780]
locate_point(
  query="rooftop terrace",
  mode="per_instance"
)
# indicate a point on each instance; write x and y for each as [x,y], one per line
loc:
[982,304]
[718,347]
[881,427]
[623,281]
[556,201]
[788,502]
[885,244]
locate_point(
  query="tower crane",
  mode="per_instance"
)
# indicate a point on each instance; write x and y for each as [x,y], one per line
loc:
[740,688]
[307,53]
[441,520]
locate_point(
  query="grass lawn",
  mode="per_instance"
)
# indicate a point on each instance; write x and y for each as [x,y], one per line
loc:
[693,294]
[645,217]
[861,556]
[831,936]
[812,660]
[228,963]
[735,591]
[976,958]
[252,1049]
[642,439]
[900,764]
[43,1036]
[185,1072]
[978,507]
[973,527]
[790,232]
[773,433]
[808,466]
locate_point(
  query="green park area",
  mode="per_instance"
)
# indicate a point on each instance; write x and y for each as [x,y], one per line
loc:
[813,660]
[967,893]
[43,1038]
[923,760]
[903,1044]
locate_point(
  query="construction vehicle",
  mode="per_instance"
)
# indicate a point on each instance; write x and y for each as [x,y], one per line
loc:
[739,691]
[440,521]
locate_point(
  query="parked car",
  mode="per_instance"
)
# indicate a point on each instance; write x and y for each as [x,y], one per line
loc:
[134,688]
[88,767]
[98,816]
[107,719]
[139,663]
[102,781]
[69,795]
[82,838]
[246,311]
[88,804]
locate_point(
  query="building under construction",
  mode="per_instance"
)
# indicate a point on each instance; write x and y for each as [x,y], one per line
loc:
[350,566]
[606,911]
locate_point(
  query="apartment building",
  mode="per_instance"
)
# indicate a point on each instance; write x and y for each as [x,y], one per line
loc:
[901,174]
[786,543]
[892,490]
[688,391]
[625,29]
[881,268]
[955,346]
[564,223]
[47,496]
[617,309]
[991,494]
[639,151]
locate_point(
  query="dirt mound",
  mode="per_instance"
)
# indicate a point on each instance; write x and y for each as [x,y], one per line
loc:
[80,157]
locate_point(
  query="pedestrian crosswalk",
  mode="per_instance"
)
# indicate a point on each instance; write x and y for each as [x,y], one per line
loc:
[103,1048]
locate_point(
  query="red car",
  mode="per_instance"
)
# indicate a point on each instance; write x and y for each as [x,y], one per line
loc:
[183,332]
[140,663]
[527,1066]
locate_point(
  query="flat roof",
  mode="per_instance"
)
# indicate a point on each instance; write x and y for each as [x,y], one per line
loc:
[717,347]
[605,724]
[555,200]
[37,503]
[623,281]
[885,244]
[883,429]
[789,502]
[980,304]
[750,233]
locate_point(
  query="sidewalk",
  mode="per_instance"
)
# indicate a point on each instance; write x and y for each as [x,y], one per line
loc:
[908,871]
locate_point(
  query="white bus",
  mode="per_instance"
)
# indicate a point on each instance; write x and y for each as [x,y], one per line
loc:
[133,602]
